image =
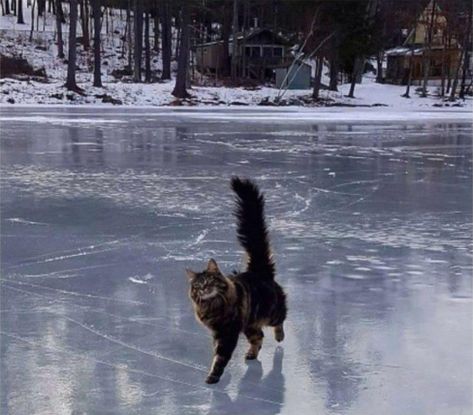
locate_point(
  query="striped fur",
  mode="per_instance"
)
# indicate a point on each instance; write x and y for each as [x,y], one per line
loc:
[242,302]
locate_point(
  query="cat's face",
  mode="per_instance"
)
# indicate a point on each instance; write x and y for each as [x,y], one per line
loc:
[208,285]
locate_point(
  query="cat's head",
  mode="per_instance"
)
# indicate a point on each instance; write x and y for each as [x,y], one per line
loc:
[209,285]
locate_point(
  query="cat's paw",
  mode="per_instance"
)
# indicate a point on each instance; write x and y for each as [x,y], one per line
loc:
[212,379]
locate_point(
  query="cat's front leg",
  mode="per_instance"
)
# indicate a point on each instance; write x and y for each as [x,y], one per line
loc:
[224,345]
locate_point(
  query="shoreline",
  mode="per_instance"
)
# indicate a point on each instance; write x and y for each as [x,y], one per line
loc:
[250,113]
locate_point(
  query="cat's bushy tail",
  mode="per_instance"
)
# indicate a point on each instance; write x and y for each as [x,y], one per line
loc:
[251,227]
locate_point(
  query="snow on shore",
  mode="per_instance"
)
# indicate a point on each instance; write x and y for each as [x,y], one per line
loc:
[41,53]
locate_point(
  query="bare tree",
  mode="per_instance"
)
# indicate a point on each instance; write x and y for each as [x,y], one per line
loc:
[226,29]
[138,44]
[319,62]
[71,64]
[180,89]
[466,51]
[32,20]
[426,53]
[20,19]
[165,17]
[147,50]
[96,14]
[156,28]
[234,66]
[59,17]
[6,10]
[84,17]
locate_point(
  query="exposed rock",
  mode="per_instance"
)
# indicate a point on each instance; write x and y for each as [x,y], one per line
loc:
[11,66]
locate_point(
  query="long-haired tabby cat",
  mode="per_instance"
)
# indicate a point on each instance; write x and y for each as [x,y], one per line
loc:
[243,302]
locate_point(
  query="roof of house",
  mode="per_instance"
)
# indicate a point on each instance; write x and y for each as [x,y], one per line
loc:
[249,35]
[298,63]
[404,51]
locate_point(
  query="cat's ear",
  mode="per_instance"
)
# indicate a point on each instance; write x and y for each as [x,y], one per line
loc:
[190,274]
[212,266]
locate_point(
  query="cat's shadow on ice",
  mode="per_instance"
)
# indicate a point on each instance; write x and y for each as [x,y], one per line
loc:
[266,394]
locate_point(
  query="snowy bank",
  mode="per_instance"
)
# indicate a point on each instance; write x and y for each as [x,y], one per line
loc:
[368,94]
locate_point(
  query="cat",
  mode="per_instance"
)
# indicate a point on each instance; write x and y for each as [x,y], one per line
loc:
[243,302]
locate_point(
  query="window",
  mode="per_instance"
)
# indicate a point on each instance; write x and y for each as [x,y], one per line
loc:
[277,52]
[256,52]
[253,51]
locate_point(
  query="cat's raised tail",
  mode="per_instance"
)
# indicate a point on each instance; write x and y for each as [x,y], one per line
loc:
[251,227]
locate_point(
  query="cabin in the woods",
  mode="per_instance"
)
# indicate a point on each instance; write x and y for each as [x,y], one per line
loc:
[441,54]
[259,51]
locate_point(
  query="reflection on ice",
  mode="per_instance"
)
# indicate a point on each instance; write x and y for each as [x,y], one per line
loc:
[371,227]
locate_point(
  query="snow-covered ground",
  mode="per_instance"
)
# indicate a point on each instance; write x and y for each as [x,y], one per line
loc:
[42,54]
[102,210]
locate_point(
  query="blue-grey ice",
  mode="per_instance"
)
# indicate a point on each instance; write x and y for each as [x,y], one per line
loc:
[101,211]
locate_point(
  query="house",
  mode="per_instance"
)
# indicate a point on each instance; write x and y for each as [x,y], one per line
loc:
[293,76]
[259,51]
[442,55]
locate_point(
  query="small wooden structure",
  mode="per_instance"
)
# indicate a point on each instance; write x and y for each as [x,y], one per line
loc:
[441,57]
[295,76]
[259,51]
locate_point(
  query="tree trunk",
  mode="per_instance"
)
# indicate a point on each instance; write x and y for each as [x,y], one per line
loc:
[455,79]
[7,7]
[234,67]
[97,28]
[41,7]
[180,90]
[32,20]
[156,29]
[177,26]
[246,13]
[138,45]
[318,77]
[20,19]
[147,50]
[165,17]
[427,52]
[84,7]
[226,29]
[449,72]
[357,67]
[379,67]
[129,41]
[444,65]
[333,57]
[466,54]
[71,64]
[409,77]
[60,42]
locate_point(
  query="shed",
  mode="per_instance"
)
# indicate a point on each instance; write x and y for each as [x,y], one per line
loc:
[295,77]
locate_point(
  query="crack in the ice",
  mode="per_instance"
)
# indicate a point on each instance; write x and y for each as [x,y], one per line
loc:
[131,370]
[73,293]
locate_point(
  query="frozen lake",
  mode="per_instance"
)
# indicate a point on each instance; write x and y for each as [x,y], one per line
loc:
[101,211]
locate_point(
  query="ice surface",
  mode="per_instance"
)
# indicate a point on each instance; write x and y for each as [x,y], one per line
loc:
[371,227]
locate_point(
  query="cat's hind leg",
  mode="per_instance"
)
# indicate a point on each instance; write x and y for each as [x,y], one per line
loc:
[279,333]
[255,338]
